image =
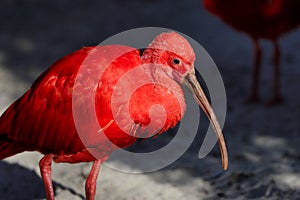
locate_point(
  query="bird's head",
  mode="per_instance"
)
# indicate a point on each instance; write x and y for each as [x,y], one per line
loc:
[172,50]
[177,56]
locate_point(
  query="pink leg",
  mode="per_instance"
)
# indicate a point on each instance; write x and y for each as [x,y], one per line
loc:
[45,168]
[90,184]
[276,61]
[256,72]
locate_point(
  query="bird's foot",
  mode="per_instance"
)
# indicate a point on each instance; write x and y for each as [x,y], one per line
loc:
[276,100]
[252,99]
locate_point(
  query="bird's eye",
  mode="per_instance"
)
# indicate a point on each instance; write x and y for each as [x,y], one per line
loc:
[176,61]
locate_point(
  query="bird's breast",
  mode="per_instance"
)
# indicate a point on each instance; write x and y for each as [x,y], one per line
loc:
[131,103]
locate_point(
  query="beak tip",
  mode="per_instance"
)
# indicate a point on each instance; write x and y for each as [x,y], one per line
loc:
[225,166]
[224,161]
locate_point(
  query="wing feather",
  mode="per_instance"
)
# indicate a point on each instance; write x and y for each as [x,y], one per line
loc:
[42,118]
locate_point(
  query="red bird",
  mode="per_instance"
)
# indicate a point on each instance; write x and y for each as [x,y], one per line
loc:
[43,119]
[260,19]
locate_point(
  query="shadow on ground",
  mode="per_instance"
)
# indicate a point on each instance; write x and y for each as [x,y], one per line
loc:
[18,182]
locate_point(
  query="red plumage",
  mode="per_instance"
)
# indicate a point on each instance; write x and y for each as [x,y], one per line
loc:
[43,118]
[267,19]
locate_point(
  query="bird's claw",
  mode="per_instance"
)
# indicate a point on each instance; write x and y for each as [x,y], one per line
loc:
[276,100]
[252,99]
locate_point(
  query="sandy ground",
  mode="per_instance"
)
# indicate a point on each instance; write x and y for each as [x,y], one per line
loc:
[263,141]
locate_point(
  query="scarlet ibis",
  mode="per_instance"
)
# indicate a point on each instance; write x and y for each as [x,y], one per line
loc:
[260,19]
[42,120]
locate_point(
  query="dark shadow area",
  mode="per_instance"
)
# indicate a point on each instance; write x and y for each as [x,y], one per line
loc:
[17,182]
[35,34]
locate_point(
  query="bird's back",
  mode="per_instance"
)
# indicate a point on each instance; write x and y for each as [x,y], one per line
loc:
[258,18]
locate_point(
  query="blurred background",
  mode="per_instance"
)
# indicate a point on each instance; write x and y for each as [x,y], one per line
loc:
[263,141]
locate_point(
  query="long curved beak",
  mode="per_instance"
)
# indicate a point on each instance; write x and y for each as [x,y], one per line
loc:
[193,85]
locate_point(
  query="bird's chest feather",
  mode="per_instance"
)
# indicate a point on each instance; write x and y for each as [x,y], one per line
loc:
[156,106]
[136,105]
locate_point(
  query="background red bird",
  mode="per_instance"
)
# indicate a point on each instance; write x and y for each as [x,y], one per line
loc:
[260,19]
[42,119]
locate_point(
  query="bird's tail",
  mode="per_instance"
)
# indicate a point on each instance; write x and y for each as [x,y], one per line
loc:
[8,147]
